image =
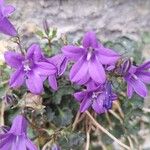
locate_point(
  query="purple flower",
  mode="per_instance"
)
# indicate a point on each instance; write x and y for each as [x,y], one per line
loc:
[136,79]
[16,138]
[30,68]
[100,98]
[60,61]
[89,58]
[5,26]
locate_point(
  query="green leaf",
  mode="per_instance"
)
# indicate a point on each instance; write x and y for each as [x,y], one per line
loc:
[72,141]
[63,118]
[146,37]
[66,90]
[40,33]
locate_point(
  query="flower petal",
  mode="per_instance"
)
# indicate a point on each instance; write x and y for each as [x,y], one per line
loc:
[107,56]
[5,143]
[90,40]
[44,68]
[34,83]
[98,104]
[8,10]
[79,95]
[30,145]
[60,61]
[84,80]
[18,144]
[144,77]
[17,78]
[34,52]
[96,70]
[73,52]
[85,104]
[145,66]
[7,28]
[53,82]
[129,90]
[139,87]
[79,70]
[19,125]
[13,59]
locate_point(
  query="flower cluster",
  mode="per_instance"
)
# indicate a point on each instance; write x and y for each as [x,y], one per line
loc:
[93,63]
[92,68]
[33,69]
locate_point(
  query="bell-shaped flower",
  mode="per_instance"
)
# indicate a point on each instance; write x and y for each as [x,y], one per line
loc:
[31,69]
[136,79]
[89,59]
[5,26]
[60,61]
[16,138]
[100,98]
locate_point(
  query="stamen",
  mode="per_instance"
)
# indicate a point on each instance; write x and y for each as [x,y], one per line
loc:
[26,65]
[90,52]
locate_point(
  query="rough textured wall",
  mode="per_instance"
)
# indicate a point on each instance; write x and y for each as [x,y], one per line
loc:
[109,18]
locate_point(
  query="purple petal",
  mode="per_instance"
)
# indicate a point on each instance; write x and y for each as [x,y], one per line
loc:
[79,70]
[1,3]
[96,70]
[7,28]
[19,126]
[139,87]
[73,52]
[21,143]
[90,40]
[107,56]
[34,52]
[5,144]
[53,82]
[60,61]
[129,90]
[98,104]
[44,68]
[3,136]
[13,59]
[34,83]
[90,85]
[84,80]
[30,145]
[17,78]
[8,10]
[145,66]
[144,77]
[18,143]
[86,103]
[79,95]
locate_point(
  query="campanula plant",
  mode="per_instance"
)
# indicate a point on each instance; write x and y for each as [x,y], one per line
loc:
[85,95]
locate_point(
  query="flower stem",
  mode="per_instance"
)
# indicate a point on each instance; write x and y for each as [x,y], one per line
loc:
[146,110]
[87,140]
[2,113]
[76,121]
[106,132]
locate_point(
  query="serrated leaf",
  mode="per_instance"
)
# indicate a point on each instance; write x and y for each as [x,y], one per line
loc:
[72,141]
[63,118]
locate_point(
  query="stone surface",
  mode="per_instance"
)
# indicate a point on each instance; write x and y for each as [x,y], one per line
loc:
[109,18]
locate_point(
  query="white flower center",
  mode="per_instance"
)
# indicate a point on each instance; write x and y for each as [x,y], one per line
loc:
[26,65]
[89,54]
